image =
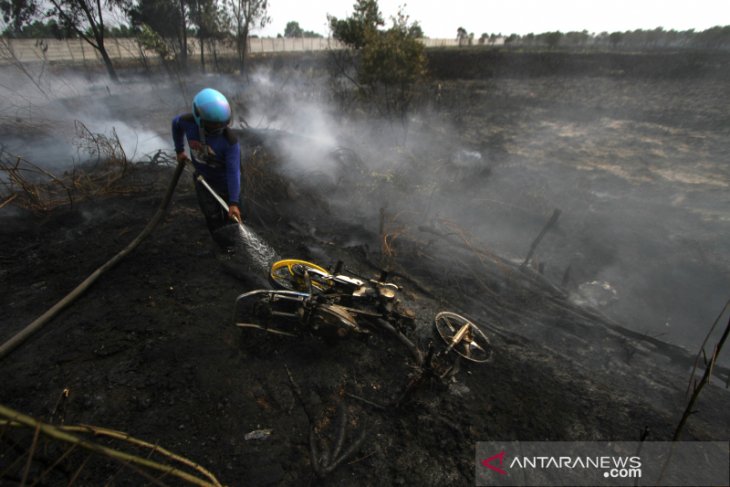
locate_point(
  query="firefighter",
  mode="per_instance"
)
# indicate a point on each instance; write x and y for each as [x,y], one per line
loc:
[216,155]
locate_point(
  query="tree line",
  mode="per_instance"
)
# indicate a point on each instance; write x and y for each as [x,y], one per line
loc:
[380,67]
[166,27]
[161,26]
[713,38]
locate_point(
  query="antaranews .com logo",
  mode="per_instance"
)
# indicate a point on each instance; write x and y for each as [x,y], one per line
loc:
[602,463]
[612,466]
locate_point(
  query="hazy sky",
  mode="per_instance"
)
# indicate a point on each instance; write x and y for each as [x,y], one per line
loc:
[441,19]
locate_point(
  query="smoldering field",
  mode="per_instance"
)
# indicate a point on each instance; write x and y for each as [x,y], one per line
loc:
[635,161]
[637,164]
[638,169]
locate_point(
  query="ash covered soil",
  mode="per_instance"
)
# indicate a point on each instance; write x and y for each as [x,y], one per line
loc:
[151,349]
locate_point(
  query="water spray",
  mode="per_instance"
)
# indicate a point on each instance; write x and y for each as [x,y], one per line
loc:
[261,253]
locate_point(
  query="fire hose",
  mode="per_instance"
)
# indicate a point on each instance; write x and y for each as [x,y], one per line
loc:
[23,334]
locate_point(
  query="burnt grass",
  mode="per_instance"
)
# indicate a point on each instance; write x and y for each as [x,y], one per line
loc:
[151,349]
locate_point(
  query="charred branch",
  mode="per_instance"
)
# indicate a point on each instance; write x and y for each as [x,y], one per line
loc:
[325,459]
[552,221]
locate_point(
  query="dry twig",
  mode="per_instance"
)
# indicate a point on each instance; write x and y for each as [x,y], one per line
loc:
[62,434]
[697,388]
[702,352]
[325,460]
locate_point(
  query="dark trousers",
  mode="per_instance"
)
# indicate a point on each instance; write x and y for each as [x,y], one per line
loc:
[223,230]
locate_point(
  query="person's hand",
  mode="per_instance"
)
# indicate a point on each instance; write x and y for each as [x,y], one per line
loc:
[234,213]
[182,156]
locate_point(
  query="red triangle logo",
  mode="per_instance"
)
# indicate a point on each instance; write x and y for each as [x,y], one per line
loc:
[488,463]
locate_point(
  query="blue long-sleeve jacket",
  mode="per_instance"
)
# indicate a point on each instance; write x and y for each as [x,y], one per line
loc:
[218,160]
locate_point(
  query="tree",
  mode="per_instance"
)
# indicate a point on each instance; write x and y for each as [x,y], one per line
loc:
[713,38]
[86,19]
[615,38]
[362,25]
[183,26]
[415,31]
[293,30]
[121,31]
[39,30]
[388,64]
[207,18]
[17,13]
[512,39]
[552,39]
[311,34]
[391,57]
[462,36]
[578,39]
[245,16]
[353,32]
[163,28]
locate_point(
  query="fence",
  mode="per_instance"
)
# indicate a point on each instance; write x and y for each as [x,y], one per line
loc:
[78,50]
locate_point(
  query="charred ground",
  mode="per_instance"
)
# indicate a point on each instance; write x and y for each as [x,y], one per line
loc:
[151,349]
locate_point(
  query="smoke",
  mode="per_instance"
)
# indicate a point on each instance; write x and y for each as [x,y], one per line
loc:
[636,167]
[39,119]
[637,173]
[292,104]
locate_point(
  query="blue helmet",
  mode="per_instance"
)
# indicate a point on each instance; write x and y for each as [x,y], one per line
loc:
[211,106]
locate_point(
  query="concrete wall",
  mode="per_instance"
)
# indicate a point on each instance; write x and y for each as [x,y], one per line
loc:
[78,50]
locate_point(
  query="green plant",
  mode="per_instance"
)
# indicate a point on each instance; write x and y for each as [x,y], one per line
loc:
[385,66]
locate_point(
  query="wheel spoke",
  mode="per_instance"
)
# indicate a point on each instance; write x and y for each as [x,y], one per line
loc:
[474,344]
[448,323]
[463,337]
